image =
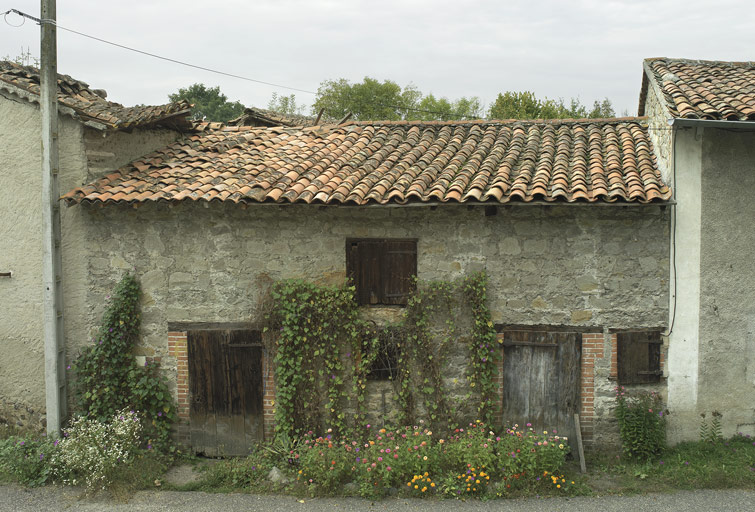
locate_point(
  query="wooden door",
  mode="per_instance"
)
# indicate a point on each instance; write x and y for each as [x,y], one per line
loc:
[541,380]
[225,382]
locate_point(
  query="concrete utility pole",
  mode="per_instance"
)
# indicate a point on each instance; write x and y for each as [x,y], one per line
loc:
[51,257]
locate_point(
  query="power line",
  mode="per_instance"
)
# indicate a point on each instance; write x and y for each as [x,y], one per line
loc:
[203,68]
[175,61]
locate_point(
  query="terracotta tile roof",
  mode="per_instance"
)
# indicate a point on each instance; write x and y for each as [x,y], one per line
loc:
[78,100]
[699,89]
[396,162]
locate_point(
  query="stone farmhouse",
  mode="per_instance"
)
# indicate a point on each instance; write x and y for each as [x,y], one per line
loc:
[618,251]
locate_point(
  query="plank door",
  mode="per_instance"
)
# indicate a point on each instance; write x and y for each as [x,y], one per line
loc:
[541,380]
[225,383]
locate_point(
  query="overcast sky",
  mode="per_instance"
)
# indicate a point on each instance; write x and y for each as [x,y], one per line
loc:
[588,49]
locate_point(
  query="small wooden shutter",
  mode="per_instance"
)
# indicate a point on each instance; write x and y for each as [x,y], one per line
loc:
[639,357]
[382,270]
[399,265]
[364,269]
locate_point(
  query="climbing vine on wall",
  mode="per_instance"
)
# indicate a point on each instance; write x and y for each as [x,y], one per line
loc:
[108,378]
[483,350]
[324,352]
[426,351]
[319,333]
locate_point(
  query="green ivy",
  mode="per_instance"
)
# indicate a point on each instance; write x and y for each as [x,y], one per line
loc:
[483,348]
[108,379]
[424,353]
[318,333]
[321,345]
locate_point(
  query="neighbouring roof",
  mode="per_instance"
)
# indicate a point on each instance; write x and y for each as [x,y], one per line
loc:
[701,89]
[361,163]
[253,116]
[76,99]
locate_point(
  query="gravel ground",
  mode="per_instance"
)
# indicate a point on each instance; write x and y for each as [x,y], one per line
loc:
[16,498]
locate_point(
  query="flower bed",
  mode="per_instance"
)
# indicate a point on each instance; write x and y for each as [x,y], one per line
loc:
[414,461]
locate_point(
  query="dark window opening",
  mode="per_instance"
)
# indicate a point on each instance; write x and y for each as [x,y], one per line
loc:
[385,364]
[639,357]
[382,270]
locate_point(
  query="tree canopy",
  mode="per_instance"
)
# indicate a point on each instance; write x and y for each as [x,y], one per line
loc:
[375,100]
[525,105]
[209,103]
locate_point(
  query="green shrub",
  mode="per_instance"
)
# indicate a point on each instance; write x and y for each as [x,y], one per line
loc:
[641,423]
[27,460]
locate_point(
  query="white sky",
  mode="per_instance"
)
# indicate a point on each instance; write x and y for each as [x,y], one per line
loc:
[585,48]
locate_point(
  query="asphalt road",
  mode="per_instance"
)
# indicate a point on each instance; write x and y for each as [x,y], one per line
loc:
[16,498]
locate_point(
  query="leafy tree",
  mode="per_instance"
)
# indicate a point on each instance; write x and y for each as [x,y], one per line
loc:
[209,103]
[375,100]
[525,105]
[285,105]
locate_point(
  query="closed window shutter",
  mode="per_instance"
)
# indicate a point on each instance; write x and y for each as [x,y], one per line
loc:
[399,266]
[639,357]
[364,270]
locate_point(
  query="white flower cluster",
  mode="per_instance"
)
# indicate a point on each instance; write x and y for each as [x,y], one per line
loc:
[90,452]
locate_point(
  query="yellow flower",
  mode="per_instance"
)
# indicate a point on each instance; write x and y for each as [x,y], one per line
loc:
[561,446]
[432,484]
[416,486]
[424,489]
[558,486]
[409,484]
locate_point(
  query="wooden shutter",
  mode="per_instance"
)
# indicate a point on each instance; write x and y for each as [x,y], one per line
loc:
[639,357]
[364,262]
[382,270]
[399,265]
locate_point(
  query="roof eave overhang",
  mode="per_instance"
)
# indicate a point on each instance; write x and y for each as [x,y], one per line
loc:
[740,126]
[418,204]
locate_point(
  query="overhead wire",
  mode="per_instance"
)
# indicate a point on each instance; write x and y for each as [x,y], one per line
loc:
[204,68]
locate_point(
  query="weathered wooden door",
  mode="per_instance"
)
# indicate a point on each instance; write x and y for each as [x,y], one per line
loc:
[541,380]
[225,382]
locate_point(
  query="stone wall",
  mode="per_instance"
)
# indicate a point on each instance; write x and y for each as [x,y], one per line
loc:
[595,267]
[110,150]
